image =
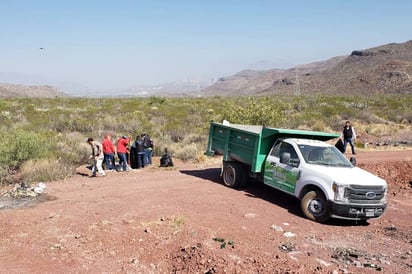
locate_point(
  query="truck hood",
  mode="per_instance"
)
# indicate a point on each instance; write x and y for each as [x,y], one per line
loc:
[349,176]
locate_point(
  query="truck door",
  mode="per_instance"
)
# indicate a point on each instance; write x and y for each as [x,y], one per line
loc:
[281,167]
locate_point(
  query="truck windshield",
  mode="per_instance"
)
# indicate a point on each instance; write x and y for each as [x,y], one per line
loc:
[320,155]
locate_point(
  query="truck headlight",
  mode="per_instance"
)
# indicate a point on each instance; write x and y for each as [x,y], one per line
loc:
[385,193]
[339,191]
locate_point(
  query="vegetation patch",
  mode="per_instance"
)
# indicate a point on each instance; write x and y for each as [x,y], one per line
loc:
[43,139]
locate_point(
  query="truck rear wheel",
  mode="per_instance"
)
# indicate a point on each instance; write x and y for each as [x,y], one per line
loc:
[233,175]
[314,207]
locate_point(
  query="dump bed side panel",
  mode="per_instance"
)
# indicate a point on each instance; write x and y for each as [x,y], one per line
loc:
[251,144]
[235,142]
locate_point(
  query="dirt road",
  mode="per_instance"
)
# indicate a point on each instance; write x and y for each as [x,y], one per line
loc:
[183,220]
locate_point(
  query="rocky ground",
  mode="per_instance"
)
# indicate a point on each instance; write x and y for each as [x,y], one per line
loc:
[181,219]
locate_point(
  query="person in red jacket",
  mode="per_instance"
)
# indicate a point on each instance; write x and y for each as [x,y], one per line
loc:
[122,150]
[108,151]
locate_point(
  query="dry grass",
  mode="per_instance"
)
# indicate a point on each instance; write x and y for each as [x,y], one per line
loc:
[44,170]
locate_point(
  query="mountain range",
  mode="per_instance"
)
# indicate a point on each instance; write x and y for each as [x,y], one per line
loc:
[384,69]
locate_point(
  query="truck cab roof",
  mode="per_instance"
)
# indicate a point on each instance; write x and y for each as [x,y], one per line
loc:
[309,142]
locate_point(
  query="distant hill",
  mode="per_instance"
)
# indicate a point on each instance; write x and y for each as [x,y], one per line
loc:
[383,69]
[17,90]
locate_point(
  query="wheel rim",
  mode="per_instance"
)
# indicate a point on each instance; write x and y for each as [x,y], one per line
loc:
[316,207]
[229,176]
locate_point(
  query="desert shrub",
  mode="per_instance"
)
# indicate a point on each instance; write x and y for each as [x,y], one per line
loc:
[72,149]
[318,125]
[336,123]
[44,170]
[156,100]
[379,130]
[255,111]
[18,146]
[187,151]
[196,138]
[161,142]
[366,116]
[404,121]
[408,117]
[177,136]
[177,222]
[41,156]
[5,177]
[67,123]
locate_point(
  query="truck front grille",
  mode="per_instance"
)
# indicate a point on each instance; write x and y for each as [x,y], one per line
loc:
[364,194]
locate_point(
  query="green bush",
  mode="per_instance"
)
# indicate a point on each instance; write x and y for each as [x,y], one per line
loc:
[18,146]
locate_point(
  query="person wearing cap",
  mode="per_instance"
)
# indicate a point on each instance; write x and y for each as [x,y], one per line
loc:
[97,156]
[122,147]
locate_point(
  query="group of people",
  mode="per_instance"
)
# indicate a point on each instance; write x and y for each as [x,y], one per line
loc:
[139,153]
[135,155]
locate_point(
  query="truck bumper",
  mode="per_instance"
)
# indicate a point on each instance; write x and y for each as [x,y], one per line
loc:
[355,211]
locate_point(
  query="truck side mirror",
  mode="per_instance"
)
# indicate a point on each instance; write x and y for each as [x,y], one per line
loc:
[285,158]
[294,162]
[353,161]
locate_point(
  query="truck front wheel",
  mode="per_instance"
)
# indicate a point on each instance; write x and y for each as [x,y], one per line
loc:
[233,174]
[313,206]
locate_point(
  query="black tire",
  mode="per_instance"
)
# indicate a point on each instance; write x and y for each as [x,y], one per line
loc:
[314,206]
[233,175]
[245,179]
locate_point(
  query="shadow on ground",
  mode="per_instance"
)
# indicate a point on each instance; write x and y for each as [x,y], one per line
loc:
[258,190]
[211,174]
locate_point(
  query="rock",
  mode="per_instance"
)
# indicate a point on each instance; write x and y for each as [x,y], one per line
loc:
[250,215]
[277,228]
[289,234]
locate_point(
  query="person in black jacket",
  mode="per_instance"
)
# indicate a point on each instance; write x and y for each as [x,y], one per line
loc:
[139,150]
[148,149]
[348,135]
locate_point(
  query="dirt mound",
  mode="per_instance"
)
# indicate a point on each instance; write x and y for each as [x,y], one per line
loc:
[398,174]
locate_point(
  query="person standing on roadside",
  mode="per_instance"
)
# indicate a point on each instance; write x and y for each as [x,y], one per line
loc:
[97,156]
[140,151]
[122,147]
[108,151]
[348,135]
[148,147]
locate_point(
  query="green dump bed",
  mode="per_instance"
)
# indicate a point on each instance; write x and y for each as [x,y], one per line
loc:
[250,144]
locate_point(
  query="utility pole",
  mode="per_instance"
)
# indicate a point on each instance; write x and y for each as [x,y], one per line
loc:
[297,92]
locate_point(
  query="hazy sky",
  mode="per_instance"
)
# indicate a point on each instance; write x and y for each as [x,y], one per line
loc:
[120,44]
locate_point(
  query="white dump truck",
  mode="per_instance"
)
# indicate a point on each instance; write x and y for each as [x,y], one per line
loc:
[301,164]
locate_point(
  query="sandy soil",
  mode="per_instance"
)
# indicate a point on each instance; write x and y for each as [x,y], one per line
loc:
[183,220]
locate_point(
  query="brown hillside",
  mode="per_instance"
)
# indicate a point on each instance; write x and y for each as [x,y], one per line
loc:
[384,69]
[16,90]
